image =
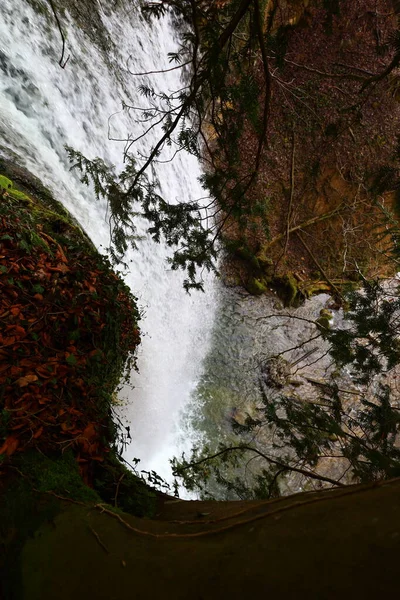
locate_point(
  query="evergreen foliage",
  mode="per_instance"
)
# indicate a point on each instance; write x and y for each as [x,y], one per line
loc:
[361,433]
[205,118]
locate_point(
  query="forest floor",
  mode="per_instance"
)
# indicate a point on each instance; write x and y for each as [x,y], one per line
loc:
[328,139]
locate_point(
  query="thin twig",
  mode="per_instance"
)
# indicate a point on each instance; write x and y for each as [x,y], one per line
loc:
[96,535]
[117,490]
[306,224]
[289,214]
[61,62]
[333,286]
[345,491]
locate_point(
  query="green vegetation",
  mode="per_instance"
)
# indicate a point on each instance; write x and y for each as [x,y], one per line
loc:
[205,119]
[246,108]
[356,428]
[59,447]
[58,474]
[70,334]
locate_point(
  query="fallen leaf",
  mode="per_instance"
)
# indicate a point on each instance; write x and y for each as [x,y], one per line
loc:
[26,380]
[26,362]
[38,433]
[90,432]
[44,372]
[18,330]
[15,371]
[19,425]
[10,445]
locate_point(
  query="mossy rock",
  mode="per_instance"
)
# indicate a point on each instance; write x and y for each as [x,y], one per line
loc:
[5,183]
[324,323]
[325,318]
[43,207]
[314,288]
[242,252]
[122,488]
[288,291]
[256,287]
[23,182]
[266,264]
[249,257]
[58,474]
[276,372]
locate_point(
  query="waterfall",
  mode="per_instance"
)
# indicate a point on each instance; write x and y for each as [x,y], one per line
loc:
[199,354]
[42,108]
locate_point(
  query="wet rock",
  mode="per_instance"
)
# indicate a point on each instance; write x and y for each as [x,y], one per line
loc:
[276,372]
[325,318]
[256,287]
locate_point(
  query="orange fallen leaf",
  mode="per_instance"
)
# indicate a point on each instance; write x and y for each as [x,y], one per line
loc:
[38,433]
[43,400]
[10,445]
[65,426]
[44,372]
[26,362]
[19,425]
[18,330]
[15,371]
[26,396]
[90,432]
[26,380]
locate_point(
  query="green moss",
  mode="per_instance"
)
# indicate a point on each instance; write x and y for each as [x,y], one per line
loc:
[256,287]
[266,263]
[287,290]
[19,195]
[311,289]
[121,488]
[27,187]
[245,254]
[40,208]
[5,183]
[22,512]
[58,474]
[325,318]
[324,322]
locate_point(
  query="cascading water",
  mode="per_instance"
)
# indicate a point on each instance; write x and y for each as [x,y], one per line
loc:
[44,107]
[185,361]
[248,332]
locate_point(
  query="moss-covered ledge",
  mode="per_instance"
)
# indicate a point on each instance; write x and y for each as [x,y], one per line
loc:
[256,272]
[284,548]
[69,334]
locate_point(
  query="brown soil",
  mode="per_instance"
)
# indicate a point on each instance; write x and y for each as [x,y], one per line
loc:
[327,138]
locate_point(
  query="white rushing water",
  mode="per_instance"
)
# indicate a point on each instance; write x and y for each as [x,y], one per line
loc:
[190,359]
[44,107]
